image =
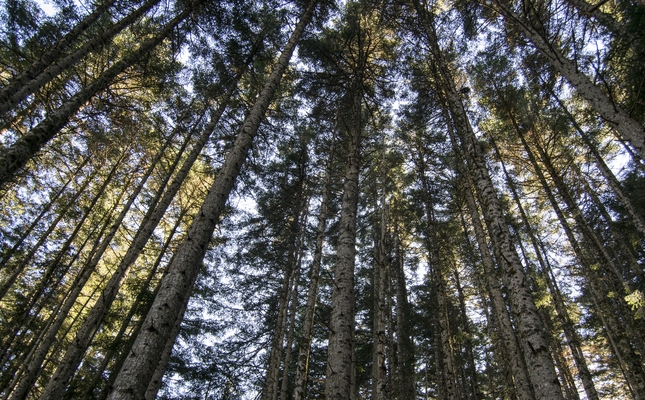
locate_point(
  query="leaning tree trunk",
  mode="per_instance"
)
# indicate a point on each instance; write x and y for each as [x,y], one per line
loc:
[13,158]
[531,330]
[137,306]
[630,129]
[134,377]
[630,365]
[8,253]
[55,388]
[37,76]
[34,367]
[614,184]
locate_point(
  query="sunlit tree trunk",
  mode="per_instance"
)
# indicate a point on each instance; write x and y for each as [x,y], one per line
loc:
[631,367]
[573,339]
[34,368]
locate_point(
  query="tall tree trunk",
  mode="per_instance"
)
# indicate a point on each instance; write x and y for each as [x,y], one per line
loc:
[470,369]
[405,347]
[55,389]
[13,158]
[573,339]
[138,306]
[500,313]
[287,292]
[300,386]
[379,369]
[43,71]
[632,370]
[133,379]
[34,368]
[339,384]
[286,363]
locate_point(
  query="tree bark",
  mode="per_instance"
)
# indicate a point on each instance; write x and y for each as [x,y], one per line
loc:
[68,367]
[339,384]
[134,377]
[379,369]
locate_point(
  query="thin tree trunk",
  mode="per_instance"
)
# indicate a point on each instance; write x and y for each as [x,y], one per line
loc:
[636,217]
[470,358]
[24,261]
[134,377]
[289,283]
[300,386]
[286,364]
[137,306]
[379,369]
[13,158]
[405,347]
[38,77]
[8,254]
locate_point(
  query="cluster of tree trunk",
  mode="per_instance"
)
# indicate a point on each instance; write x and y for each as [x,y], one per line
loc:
[425,200]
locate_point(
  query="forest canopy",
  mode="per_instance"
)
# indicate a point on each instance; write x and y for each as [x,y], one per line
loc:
[319,199]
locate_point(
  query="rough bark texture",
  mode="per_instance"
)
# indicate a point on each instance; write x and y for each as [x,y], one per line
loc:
[530,328]
[500,313]
[339,382]
[573,339]
[137,370]
[631,366]
[10,98]
[24,149]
